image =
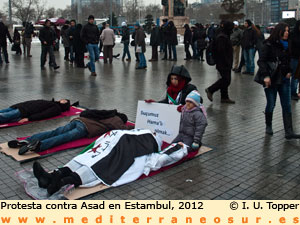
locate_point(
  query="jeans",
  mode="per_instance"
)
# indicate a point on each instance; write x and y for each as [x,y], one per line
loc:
[294,82]
[9,115]
[45,50]
[173,48]
[143,62]
[4,50]
[72,52]
[94,55]
[249,55]
[70,132]
[126,50]
[284,91]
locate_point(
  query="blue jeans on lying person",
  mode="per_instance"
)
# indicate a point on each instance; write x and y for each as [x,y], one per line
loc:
[9,115]
[70,132]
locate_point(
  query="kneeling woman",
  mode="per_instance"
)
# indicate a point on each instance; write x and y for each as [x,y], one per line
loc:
[118,157]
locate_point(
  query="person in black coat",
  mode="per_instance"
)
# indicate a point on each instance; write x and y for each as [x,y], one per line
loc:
[274,74]
[172,41]
[47,37]
[294,49]
[178,86]
[125,40]
[3,43]
[17,42]
[201,43]
[155,40]
[187,40]
[79,47]
[224,61]
[33,110]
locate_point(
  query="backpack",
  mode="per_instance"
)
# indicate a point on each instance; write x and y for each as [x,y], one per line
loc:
[210,53]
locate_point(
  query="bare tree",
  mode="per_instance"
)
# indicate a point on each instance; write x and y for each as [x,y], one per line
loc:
[50,13]
[40,7]
[132,12]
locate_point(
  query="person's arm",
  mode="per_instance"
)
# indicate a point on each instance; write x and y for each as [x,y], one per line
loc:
[48,113]
[263,66]
[41,36]
[200,125]
[8,35]
[83,35]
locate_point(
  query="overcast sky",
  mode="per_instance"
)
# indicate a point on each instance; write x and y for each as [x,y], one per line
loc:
[63,3]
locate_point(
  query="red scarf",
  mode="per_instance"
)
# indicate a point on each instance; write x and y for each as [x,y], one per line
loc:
[174,90]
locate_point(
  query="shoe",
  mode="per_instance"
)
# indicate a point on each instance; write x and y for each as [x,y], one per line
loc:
[55,67]
[269,118]
[237,71]
[173,60]
[209,95]
[245,72]
[141,68]
[17,144]
[234,69]
[93,74]
[128,60]
[164,59]
[202,60]
[44,178]
[32,146]
[123,59]
[228,101]
[288,127]
[29,56]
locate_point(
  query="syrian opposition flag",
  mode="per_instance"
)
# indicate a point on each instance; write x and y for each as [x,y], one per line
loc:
[111,155]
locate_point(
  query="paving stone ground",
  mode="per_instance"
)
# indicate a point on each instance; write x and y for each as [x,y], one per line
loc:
[244,163]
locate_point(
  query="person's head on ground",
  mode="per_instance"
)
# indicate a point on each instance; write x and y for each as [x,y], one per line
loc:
[73,23]
[47,23]
[64,104]
[179,76]
[236,24]
[247,23]
[193,100]
[280,32]
[91,19]
[123,117]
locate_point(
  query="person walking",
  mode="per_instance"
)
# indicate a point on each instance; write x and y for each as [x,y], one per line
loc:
[274,74]
[187,40]
[125,40]
[224,60]
[3,43]
[90,35]
[47,38]
[140,46]
[294,49]
[248,44]
[101,42]
[108,38]
[236,38]
[154,42]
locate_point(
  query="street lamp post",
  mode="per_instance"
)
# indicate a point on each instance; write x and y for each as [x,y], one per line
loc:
[110,10]
[10,12]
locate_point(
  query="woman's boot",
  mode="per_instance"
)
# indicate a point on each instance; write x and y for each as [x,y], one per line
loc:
[288,127]
[269,118]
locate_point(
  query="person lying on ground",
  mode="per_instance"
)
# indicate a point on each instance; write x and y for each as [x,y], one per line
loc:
[178,86]
[33,110]
[90,123]
[119,157]
[193,122]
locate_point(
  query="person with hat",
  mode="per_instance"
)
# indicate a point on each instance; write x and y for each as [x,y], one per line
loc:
[178,86]
[193,122]
[3,43]
[90,35]
[140,45]
[90,123]
[47,37]
[125,40]
[236,38]
[248,43]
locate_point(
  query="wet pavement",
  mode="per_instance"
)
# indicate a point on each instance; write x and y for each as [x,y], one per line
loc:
[244,163]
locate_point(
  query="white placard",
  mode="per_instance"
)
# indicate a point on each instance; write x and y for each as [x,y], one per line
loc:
[164,119]
[288,14]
